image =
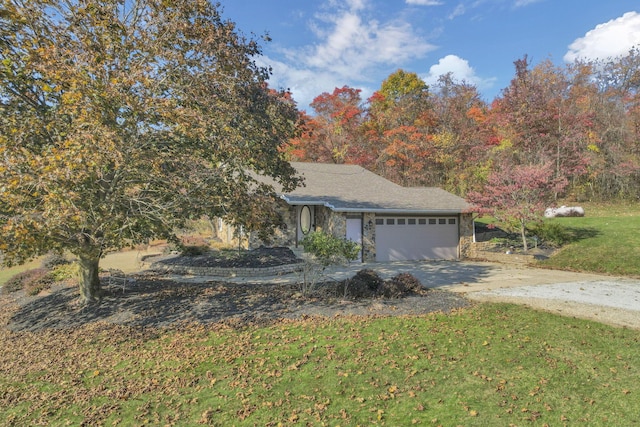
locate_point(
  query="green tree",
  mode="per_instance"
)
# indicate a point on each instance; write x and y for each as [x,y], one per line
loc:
[119,120]
[403,100]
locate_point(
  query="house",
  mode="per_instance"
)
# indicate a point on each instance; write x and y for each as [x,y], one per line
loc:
[390,222]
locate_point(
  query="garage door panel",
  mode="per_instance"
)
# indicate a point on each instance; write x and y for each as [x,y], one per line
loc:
[416,241]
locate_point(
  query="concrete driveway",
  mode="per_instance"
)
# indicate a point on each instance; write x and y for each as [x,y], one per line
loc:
[607,299]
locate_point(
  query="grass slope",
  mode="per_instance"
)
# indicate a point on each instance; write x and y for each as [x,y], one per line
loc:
[606,240]
[490,365]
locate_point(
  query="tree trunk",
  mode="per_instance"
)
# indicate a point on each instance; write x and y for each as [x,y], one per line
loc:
[89,281]
[523,232]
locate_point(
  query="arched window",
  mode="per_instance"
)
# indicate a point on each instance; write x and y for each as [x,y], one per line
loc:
[305,220]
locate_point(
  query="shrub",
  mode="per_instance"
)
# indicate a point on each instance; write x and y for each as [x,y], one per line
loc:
[53,260]
[329,249]
[32,281]
[401,285]
[65,272]
[194,250]
[551,233]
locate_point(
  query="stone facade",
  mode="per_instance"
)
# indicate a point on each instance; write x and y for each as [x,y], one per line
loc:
[335,223]
[466,235]
[369,237]
[283,236]
[322,219]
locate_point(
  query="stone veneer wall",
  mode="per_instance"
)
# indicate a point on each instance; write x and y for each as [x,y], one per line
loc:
[228,272]
[486,251]
[369,237]
[284,235]
[466,235]
[337,224]
[321,218]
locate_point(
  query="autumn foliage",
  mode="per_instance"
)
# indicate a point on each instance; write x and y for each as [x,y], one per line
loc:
[576,125]
[121,120]
[515,196]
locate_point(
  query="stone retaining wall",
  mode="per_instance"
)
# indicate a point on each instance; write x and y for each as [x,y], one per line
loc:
[228,272]
[486,251]
[519,259]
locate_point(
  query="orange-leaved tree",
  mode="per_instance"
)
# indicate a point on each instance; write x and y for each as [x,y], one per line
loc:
[119,120]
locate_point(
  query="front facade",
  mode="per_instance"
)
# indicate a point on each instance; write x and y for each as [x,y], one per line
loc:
[388,221]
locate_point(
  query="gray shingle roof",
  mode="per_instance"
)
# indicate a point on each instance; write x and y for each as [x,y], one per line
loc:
[351,188]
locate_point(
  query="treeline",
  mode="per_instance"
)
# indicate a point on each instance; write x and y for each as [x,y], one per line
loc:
[582,120]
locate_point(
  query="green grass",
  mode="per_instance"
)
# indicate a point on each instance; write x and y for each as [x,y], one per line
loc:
[7,273]
[606,240]
[489,365]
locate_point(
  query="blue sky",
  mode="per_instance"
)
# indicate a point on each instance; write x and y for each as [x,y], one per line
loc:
[322,44]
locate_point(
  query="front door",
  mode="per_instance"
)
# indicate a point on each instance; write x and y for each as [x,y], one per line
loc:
[354,233]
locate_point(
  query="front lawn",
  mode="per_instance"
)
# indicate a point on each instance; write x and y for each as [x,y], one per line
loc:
[606,240]
[489,365]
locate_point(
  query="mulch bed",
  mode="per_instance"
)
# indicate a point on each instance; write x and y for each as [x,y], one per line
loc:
[156,302]
[256,258]
[153,300]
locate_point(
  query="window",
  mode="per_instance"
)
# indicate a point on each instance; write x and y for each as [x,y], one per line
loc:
[391,221]
[452,221]
[305,220]
[402,221]
[422,221]
[379,221]
[411,221]
[442,221]
[432,221]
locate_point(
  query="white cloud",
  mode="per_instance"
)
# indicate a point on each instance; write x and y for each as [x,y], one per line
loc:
[425,2]
[305,84]
[350,48]
[460,70]
[523,3]
[458,11]
[349,45]
[611,39]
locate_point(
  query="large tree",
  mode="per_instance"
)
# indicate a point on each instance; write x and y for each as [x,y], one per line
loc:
[540,119]
[120,119]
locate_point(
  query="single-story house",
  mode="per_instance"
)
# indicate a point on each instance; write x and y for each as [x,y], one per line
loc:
[390,222]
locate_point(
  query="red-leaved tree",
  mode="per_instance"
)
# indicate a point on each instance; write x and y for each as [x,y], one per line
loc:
[518,195]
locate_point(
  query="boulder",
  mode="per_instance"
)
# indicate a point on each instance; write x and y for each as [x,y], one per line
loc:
[564,211]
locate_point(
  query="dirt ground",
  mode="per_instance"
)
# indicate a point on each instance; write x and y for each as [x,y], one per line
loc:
[150,299]
[160,300]
[485,281]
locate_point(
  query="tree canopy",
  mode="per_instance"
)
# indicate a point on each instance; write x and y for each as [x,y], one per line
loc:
[582,120]
[517,195]
[119,120]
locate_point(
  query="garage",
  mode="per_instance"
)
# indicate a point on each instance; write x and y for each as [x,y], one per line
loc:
[416,238]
